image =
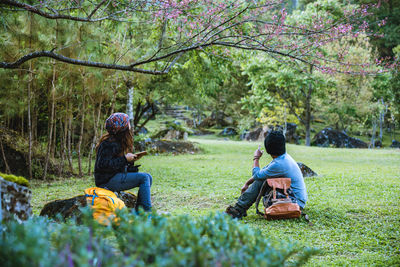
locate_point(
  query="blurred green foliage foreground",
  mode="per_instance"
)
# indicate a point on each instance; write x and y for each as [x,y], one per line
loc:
[144,240]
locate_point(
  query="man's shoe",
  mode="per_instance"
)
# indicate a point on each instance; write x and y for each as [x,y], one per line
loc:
[235,213]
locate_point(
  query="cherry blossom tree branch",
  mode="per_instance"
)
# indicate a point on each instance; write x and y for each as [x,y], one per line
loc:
[187,25]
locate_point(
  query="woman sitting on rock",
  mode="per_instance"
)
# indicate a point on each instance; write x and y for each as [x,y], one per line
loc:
[114,157]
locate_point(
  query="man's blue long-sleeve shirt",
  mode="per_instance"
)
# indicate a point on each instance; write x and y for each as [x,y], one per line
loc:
[285,166]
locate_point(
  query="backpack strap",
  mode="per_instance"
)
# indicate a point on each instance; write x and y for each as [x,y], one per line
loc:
[93,196]
[273,193]
[285,191]
[306,218]
[262,192]
[112,199]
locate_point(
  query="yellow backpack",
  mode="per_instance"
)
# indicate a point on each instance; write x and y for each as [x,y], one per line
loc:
[104,203]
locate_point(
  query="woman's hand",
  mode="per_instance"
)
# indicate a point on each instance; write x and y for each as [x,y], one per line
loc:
[130,157]
[258,153]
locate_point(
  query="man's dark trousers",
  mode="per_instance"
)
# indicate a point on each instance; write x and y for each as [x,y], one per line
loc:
[250,195]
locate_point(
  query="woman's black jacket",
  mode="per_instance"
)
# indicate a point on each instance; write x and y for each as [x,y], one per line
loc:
[108,161]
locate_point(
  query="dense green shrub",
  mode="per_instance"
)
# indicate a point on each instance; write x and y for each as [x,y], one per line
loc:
[214,240]
[144,240]
[15,179]
[40,242]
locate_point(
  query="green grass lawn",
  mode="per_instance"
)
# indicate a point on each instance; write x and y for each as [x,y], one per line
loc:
[354,203]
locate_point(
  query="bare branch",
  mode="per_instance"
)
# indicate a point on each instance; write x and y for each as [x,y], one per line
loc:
[96,8]
[56,15]
[173,62]
[68,60]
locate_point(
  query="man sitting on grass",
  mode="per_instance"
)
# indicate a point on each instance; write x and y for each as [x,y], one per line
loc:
[282,165]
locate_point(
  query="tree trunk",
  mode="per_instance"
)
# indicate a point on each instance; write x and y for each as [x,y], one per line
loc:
[62,148]
[54,139]
[34,120]
[393,126]
[51,126]
[153,114]
[29,108]
[30,122]
[285,122]
[308,112]
[114,97]
[94,141]
[81,135]
[129,104]
[22,125]
[381,120]
[4,158]
[372,143]
[69,141]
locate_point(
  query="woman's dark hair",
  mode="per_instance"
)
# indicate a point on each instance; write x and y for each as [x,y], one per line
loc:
[274,143]
[125,138]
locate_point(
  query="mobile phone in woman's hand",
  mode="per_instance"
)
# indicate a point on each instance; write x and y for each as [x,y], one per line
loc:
[140,154]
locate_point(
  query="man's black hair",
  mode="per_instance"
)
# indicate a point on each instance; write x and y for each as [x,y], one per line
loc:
[274,143]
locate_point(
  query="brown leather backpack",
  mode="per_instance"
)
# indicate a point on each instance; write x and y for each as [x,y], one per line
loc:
[281,206]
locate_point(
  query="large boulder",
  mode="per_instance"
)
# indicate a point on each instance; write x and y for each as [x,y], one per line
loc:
[378,144]
[175,135]
[395,144]
[228,131]
[196,118]
[221,119]
[217,118]
[259,134]
[15,201]
[254,135]
[329,137]
[175,147]
[160,133]
[190,122]
[207,123]
[68,208]
[172,131]
[14,147]
[142,144]
[291,136]
[201,131]
[306,171]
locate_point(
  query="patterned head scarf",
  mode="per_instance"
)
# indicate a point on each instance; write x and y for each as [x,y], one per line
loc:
[117,122]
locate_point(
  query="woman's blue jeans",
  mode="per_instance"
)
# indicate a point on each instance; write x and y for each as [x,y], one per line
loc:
[124,181]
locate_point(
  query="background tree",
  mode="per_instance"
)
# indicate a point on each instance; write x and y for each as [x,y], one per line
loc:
[294,88]
[165,30]
[213,82]
[346,105]
[198,46]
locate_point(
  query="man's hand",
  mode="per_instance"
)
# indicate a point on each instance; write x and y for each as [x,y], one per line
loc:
[247,184]
[258,153]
